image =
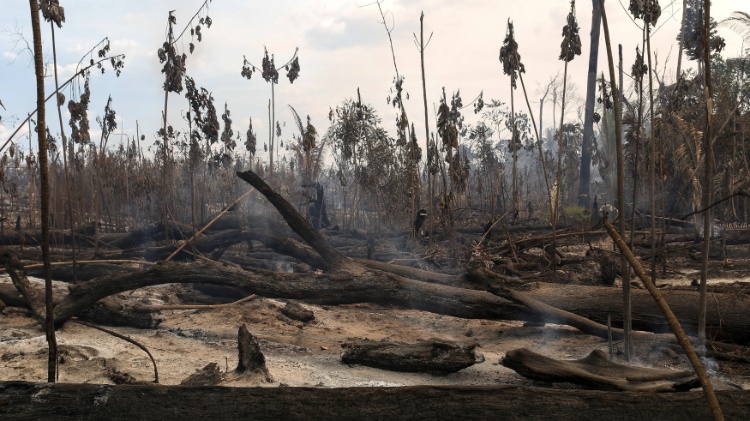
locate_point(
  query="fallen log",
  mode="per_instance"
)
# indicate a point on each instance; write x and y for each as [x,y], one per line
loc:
[727,316]
[61,401]
[111,311]
[83,272]
[596,371]
[433,356]
[141,236]
[321,288]
[349,281]
[295,311]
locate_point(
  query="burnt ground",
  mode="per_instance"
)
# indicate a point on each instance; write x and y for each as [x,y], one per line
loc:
[308,354]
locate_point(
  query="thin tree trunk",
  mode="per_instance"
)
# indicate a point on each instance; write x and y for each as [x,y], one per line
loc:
[620,181]
[652,157]
[514,193]
[165,148]
[709,156]
[426,118]
[44,170]
[639,125]
[626,272]
[588,120]
[272,115]
[674,324]
[682,35]
[65,156]
[538,139]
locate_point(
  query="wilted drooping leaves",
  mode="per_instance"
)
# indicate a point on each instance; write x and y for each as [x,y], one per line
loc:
[693,39]
[639,68]
[227,133]
[509,56]
[174,67]
[433,156]
[52,12]
[415,152]
[571,44]
[648,10]
[108,124]
[310,134]
[79,121]
[605,96]
[293,70]
[51,147]
[270,74]
[174,63]
[251,139]
[211,124]
[206,21]
[247,68]
[479,103]
[450,120]
[102,52]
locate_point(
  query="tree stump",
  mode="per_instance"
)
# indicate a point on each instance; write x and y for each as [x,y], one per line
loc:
[251,361]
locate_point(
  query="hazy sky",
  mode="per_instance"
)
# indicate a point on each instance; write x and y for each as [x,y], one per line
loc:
[342,46]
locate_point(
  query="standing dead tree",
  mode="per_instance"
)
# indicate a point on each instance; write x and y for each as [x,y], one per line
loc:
[42,135]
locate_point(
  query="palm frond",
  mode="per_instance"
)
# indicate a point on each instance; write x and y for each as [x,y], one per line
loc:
[297,121]
[740,23]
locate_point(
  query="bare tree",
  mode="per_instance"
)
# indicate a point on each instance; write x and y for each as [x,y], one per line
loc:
[41,133]
[588,119]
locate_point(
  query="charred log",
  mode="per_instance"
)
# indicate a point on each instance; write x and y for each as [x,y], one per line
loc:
[596,372]
[83,272]
[111,311]
[433,357]
[296,312]
[21,400]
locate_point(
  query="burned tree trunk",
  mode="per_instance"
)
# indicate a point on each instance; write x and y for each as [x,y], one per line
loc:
[595,371]
[43,402]
[433,357]
[251,363]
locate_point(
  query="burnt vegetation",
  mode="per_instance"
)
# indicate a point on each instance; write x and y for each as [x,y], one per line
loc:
[467,220]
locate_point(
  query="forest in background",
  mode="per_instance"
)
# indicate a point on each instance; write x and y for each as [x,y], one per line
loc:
[377,181]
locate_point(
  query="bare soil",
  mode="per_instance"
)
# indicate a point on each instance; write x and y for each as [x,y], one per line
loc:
[297,354]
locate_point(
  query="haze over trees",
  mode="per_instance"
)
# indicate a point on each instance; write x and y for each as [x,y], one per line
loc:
[665,150]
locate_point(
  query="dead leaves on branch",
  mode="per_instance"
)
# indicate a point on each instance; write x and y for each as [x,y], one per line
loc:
[270,72]
[510,57]
[174,63]
[52,12]
[79,120]
[571,44]
[648,10]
